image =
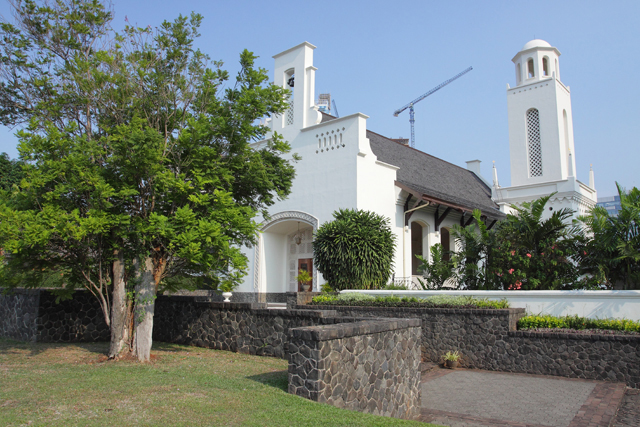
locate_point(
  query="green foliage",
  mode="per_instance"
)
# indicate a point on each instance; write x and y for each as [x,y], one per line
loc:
[10,172]
[437,272]
[355,250]
[474,258]
[522,252]
[436,301]
[452,356]
[304,277]
[578,323]
[533,253]
[611,255]
[134,144]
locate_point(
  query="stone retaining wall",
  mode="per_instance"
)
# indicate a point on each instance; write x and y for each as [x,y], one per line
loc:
[370,366]
[599,357]
[488,339]
[34,315]
[18,315]
[243,327]
[472,332]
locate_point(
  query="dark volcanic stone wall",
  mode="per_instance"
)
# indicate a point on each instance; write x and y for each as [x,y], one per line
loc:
[477,334]
[599,357]
[33,315]
[76,320]
[242,327]
[487,339]
[370,366]
[18,314]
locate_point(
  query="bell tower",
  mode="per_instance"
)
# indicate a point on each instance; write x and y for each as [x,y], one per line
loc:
[541,148]
[540,120]
[294,71]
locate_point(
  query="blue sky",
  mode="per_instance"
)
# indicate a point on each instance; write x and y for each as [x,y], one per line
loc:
[376,56]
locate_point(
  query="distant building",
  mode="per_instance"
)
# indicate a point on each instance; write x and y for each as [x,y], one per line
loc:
[611,204]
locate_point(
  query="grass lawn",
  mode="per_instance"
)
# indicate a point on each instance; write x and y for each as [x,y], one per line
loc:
[72,385]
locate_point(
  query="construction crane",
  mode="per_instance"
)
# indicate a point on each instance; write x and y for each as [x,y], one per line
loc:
[335,109]
[420,98]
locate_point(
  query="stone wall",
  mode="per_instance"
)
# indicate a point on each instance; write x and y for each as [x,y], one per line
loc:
[34,315]
[599,357]
[76,320]
[487,339]
[243,327]
[370,366]
[18,314]
[472,332]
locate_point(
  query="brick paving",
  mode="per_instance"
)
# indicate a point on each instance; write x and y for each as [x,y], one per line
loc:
[475,398]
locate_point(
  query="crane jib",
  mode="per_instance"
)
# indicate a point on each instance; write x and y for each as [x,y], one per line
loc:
[420,98]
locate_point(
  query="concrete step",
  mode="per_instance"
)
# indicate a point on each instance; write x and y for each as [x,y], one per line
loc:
[277,306]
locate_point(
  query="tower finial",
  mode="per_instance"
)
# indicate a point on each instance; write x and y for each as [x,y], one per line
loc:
[495,175]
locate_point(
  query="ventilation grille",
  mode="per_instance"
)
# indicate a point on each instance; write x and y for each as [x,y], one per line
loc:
[533,140]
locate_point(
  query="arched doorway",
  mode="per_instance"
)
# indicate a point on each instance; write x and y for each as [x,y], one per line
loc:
[285,246]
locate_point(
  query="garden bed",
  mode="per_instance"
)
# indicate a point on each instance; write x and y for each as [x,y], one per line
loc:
[579,325]
[437,301]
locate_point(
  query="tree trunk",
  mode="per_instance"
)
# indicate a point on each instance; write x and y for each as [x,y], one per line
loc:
[145,305]
[120,310]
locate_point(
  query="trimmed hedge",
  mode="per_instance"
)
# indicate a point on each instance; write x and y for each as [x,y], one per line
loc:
[437,301]
[577,323]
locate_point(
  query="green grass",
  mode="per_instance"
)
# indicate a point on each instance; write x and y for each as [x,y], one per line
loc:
[73,385]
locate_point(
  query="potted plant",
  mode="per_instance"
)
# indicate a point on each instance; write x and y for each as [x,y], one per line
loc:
[227,288]
[305,279]
[451,359]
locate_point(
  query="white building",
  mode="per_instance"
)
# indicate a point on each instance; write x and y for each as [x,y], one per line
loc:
[345,165]
[541,136]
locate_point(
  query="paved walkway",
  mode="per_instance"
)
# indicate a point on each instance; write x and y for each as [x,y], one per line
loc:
[475,398]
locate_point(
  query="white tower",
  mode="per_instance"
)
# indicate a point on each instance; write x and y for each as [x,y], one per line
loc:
[541,144]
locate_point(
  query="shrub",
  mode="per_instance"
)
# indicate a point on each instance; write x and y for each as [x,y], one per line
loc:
[355,250]
[438,271]
[612,256]
[576,322]
[436,301]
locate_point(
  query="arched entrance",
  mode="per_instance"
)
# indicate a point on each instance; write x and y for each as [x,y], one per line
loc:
[284,247]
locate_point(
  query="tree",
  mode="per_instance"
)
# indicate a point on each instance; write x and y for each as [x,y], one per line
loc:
[139,174]
[10,171]
[355,250]
[611,255]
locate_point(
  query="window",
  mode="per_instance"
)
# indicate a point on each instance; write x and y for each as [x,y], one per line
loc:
[533,142]
[530,71]
[545,66]
[416,247]
[567,148]
[445,241]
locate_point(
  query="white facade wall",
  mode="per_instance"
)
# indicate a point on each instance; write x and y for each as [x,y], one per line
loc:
[590,304]
[338,170]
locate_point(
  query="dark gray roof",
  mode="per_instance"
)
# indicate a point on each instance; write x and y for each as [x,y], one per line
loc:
[432,177]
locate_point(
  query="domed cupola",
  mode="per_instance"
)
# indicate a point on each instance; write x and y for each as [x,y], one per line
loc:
[537,60]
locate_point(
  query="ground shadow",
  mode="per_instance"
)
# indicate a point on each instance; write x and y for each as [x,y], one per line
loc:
[278,379]
[10,346]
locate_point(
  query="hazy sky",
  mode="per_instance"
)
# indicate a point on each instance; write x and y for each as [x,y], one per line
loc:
[376,56]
